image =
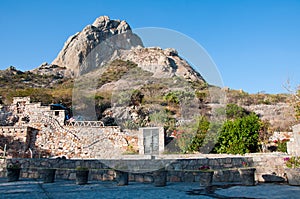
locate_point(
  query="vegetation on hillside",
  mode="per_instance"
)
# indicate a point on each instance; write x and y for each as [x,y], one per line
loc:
[41,88]
[158,103]
[239,134]
[241,98]
[114,71]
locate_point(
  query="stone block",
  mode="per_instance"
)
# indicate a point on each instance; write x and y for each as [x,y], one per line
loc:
[177,167]
[188,177]
[197,178]
[72,176]
[131,177]
[148,179]
[107,177]
[111,172]
[175,179]
[227,166]
[236,162]
[214,163]
[139,178]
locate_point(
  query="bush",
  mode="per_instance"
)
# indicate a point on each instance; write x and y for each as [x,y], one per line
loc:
[172,98]
[114,71]
[233,111]
[282,145]
[239,136]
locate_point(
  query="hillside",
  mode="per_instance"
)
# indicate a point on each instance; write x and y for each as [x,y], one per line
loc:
[106,74]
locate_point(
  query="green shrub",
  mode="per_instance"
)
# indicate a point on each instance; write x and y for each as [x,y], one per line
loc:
[190,136]
[282,145]
[172,98]
[201,95]
[234,111]
[239,136]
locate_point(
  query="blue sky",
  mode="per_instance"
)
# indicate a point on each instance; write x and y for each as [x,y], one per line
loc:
[255,44]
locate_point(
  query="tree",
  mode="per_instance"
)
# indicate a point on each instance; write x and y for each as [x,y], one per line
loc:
[190,136]
[233,111]
[201,128]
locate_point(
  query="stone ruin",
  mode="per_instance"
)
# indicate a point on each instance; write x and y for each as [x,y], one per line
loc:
[32,130]
[294,143]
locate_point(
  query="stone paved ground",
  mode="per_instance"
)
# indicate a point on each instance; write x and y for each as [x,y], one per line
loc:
[31,189]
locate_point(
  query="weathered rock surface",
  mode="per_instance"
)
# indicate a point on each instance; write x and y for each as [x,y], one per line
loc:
[163,63]
[77,48]
[50,70]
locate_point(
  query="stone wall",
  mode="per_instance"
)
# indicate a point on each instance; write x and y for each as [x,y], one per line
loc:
[77,142]
[294,143]
[104,142]
[269,163]
[281,116]
[73,142]
[179,170]
[13,141]
[41,132]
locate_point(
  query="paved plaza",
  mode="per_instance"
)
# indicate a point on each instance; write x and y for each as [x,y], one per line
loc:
[32,188]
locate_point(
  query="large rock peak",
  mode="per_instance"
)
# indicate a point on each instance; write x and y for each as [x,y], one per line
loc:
[104,23]
[106,40]
[77,48]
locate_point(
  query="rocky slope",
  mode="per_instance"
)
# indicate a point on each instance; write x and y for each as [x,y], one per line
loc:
[162,63]
[12,78]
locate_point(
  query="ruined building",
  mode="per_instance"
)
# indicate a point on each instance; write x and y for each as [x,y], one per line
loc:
[32,130]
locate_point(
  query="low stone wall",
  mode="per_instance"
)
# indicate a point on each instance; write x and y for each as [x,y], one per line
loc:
[182,169]
[84,142]
[268,163]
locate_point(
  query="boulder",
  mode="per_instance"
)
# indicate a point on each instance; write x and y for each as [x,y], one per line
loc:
[272,178]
